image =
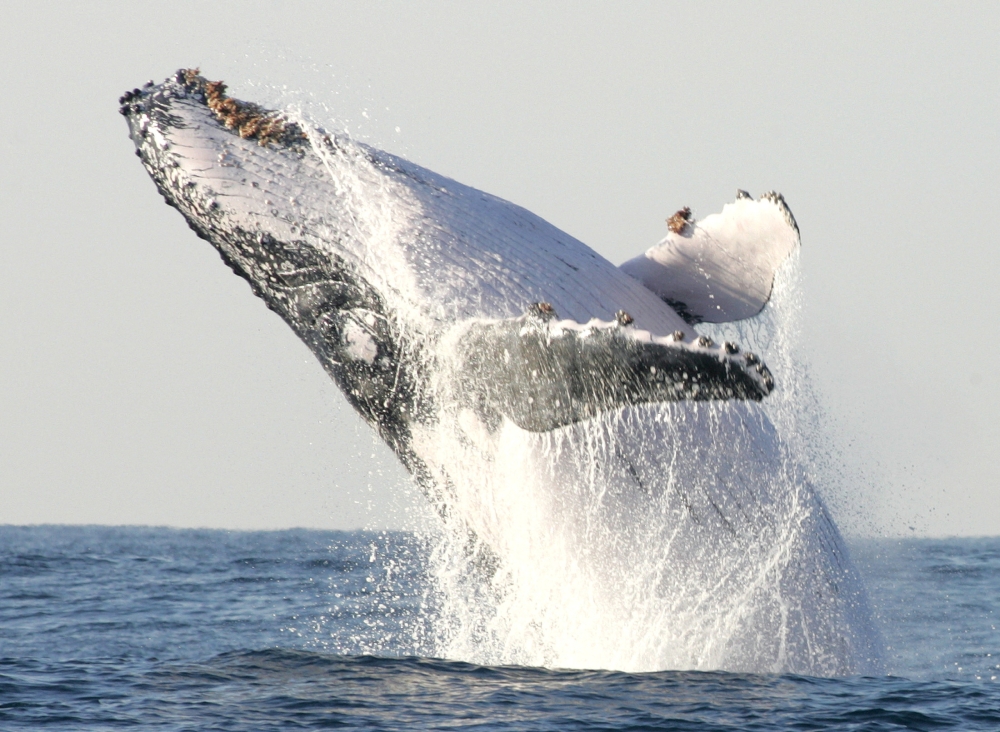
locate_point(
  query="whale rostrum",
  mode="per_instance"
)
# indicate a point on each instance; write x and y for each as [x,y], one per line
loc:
[286,205]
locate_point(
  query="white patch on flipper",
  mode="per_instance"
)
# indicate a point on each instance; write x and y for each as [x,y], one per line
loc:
[721,268]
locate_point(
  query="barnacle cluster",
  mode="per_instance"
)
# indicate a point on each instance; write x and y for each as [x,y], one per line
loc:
[248,120]
[680,220]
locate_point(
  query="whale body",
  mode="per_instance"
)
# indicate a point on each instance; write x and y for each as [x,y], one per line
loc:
[559,412]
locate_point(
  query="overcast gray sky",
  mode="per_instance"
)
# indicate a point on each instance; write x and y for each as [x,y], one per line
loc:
[141,382]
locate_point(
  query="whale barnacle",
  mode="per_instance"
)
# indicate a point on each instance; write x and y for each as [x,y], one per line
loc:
[543,310]
[680,220]
[624,318]
[248,120]
[705,342]
[730,347]
[678,336]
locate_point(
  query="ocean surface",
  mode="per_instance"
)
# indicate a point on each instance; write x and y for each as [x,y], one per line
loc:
[106,628]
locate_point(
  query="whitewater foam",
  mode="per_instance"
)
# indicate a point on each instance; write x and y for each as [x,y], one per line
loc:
[664,536]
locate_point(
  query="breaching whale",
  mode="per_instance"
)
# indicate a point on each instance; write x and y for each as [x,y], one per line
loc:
[513,369]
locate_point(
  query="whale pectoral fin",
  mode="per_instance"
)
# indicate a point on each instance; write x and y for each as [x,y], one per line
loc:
[546,374]
[721,268]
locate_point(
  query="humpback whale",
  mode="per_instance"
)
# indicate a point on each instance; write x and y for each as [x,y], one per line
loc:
[551,405]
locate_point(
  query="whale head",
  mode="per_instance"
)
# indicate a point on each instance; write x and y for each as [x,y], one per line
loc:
[250,181]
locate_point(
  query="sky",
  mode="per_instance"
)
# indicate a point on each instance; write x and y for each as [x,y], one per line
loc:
[142,383]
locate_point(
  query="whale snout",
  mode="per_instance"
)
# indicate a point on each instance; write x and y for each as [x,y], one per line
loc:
[229,167]
[248,120]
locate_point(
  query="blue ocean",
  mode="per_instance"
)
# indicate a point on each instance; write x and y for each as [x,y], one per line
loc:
[106,628]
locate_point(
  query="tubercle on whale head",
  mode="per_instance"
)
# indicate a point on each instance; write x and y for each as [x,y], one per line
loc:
[181,129]
[249,120]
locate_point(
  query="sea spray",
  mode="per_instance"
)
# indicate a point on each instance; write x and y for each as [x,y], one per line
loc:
[666,536]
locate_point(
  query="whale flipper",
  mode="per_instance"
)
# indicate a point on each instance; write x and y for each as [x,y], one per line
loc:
[721,268]
[543,374]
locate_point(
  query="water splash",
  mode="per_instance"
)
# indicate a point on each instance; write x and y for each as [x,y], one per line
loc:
[671,536]
[663,536]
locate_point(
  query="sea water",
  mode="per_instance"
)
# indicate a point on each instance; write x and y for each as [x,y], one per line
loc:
[115,627]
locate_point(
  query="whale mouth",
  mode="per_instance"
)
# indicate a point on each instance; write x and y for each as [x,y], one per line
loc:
[248,181]
[224,164]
